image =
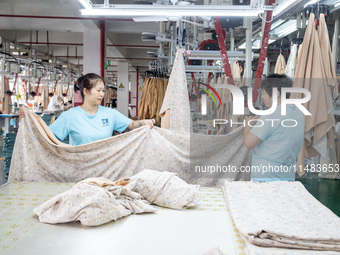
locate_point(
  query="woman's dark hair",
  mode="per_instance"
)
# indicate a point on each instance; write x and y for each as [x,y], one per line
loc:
[88,81]
[276,81]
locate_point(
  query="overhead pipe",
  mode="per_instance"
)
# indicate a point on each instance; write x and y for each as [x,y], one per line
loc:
[137,91]
[30,43]
[59,17]
[161,31]
[249,44]
[37,50]
[335,44]
[102,48]
[132,58]
[81,44]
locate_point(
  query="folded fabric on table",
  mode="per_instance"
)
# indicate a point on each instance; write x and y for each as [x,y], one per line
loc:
[92,204]
[281,215]
[165,189]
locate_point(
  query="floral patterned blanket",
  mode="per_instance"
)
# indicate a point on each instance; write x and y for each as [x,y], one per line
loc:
[197,159]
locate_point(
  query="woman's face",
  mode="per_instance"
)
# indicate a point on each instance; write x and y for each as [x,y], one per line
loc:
[267,100]
[96,94]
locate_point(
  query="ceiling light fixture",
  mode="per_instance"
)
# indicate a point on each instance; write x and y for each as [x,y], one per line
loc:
[336,4]
[288,30]
[276,24]
[173,10]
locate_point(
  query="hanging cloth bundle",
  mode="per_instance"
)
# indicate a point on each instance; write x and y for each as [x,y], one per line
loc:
[24,85]
[65,94]
[9,92]
[54,90]
[280,66]
[34,93]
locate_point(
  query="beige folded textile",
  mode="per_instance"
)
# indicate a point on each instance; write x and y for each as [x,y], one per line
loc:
[92,205]
[102,182]
[273,215]
[165,189]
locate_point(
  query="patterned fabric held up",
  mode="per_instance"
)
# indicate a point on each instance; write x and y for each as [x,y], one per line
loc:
[165,189]
[39,157]
[92,205]
[176,97]
[277,217]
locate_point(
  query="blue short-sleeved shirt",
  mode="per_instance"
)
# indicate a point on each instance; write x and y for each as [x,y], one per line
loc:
[280,145]
[83,128]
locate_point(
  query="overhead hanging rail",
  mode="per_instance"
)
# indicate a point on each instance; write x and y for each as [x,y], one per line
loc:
[107,9]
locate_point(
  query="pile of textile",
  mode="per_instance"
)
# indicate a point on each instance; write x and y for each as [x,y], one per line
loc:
[275,216]
[96,201]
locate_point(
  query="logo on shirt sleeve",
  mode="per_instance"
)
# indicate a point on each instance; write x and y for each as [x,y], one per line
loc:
[105,122]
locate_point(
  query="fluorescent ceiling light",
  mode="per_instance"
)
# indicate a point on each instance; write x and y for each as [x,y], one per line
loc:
[288,30]
[87,4]
[148,19]
[283,4]
[173,10]
[271,41]
[276,24]
[336,4]
[255,45]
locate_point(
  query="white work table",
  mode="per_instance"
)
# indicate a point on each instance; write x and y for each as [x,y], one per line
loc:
[193,231]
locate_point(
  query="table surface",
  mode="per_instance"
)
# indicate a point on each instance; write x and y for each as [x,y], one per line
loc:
[192,231]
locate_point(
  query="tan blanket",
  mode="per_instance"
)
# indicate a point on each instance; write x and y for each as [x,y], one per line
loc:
[38,156]
[273,215]
[165,189]
[92,205]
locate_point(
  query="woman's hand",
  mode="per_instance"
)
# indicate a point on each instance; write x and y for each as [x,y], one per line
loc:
[138,123]
[21,113]
[148,122]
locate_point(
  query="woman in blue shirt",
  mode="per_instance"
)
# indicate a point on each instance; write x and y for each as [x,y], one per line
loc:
[90,121]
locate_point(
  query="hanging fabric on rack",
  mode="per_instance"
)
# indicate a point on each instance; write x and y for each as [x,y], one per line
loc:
[45,97]
[161,93]
[326,53]
[152,97]
[280,65]
[175,110]
[311,75]
[330,75]
[292,61]
[237,74]
[6,109]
